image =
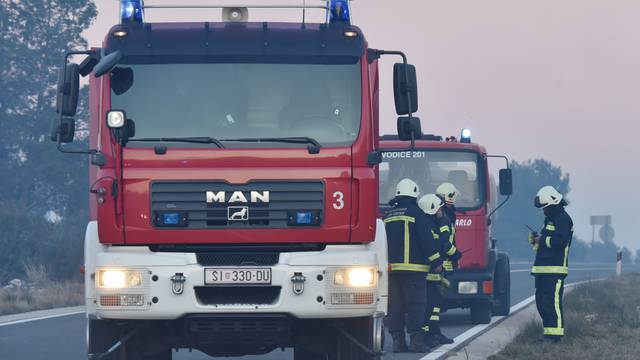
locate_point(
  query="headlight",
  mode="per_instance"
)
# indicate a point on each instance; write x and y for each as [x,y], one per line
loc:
[467,287]
[356,277]
[119,279]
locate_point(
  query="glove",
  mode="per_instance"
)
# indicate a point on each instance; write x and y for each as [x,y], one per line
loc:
[532,237]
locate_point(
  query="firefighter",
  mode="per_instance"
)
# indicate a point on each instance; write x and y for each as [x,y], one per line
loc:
[551,264]
[409,255]
[448,193]
[438,224]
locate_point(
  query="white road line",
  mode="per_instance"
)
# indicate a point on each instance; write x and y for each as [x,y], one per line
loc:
[41,318]
[460,340]
[570,269]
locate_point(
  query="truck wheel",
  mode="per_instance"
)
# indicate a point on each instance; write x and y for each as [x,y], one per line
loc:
[101,335]
[481,312]
[502,282]
[369,332]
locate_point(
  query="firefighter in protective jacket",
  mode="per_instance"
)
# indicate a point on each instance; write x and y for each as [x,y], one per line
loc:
[410,249]
[448,193]
[551,265]
[438,225]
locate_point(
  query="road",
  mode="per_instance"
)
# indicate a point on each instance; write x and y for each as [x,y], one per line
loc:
[64,337]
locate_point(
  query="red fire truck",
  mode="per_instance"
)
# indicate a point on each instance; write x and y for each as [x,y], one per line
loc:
[482,282]
[234,182]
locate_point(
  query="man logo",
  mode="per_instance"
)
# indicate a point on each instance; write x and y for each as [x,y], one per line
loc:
[237,197]
[238,213]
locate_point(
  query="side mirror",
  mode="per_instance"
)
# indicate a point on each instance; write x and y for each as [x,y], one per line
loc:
[65,128]
[68,90]
[107,63]
[409,126]
[403,91]
[506,182]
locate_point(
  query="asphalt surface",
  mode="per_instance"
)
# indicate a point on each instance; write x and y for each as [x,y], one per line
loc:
[64,337]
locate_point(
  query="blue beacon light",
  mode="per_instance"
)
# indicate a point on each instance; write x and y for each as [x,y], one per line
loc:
[338,11]
[465,136]
[131,11]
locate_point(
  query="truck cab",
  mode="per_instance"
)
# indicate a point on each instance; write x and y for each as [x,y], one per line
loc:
[482,282]
[233,185]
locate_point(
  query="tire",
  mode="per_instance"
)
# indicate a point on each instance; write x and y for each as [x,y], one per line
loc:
[101,335]
[481,312]
[502,286]
[368,331]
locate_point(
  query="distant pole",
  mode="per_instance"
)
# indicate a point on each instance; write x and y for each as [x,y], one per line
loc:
[619,263]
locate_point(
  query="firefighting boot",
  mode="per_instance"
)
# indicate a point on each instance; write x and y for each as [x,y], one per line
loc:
[442,339]
[416,343]
[399,343]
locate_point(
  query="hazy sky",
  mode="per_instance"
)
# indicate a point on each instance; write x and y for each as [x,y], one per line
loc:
[553,79]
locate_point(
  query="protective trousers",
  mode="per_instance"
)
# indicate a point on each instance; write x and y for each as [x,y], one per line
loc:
[549,291]
[432,316]
[407,290]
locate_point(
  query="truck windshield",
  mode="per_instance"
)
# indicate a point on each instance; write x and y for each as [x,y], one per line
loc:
[429,169]
[243,101]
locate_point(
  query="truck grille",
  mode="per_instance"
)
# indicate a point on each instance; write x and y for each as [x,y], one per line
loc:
[189,200]
[237,259]
[237,295]
[232,329]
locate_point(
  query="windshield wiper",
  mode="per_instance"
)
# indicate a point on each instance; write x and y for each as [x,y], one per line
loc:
[313,148]
[193,139]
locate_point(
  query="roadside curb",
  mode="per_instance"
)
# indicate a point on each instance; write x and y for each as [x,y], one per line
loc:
[40,315]
[480,346]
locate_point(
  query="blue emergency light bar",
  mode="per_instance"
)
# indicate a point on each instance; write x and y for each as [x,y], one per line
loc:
[131,11]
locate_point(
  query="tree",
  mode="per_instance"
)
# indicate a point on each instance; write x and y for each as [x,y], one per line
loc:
[42,191]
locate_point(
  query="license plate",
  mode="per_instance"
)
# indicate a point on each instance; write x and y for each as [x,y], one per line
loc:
[240,276]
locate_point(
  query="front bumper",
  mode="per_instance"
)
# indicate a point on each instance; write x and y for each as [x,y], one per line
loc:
[319,298]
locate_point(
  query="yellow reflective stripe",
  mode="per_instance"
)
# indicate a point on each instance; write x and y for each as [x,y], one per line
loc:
[448,265]
[566,256]
[434,256]
[407,242]
[452,250]
[550,227]
[400,218]
[549,270]
[435,235]
[554,331]
[444,228]
[535,247]
[409,267]
[434,318]
[548,241]
[453,230]
[425,328]
[557,303]
[436,310]
[434,277]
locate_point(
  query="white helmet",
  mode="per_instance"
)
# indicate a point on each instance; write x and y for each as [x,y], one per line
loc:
[407,187]
[430,204]
[546,196]
[448,192]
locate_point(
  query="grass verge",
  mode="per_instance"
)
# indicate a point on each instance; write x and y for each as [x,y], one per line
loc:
[602,321]
[40,293]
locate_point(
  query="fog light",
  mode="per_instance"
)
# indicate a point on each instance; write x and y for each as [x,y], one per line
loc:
[119,279]
[356,277]
[467,287]
[122,300]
